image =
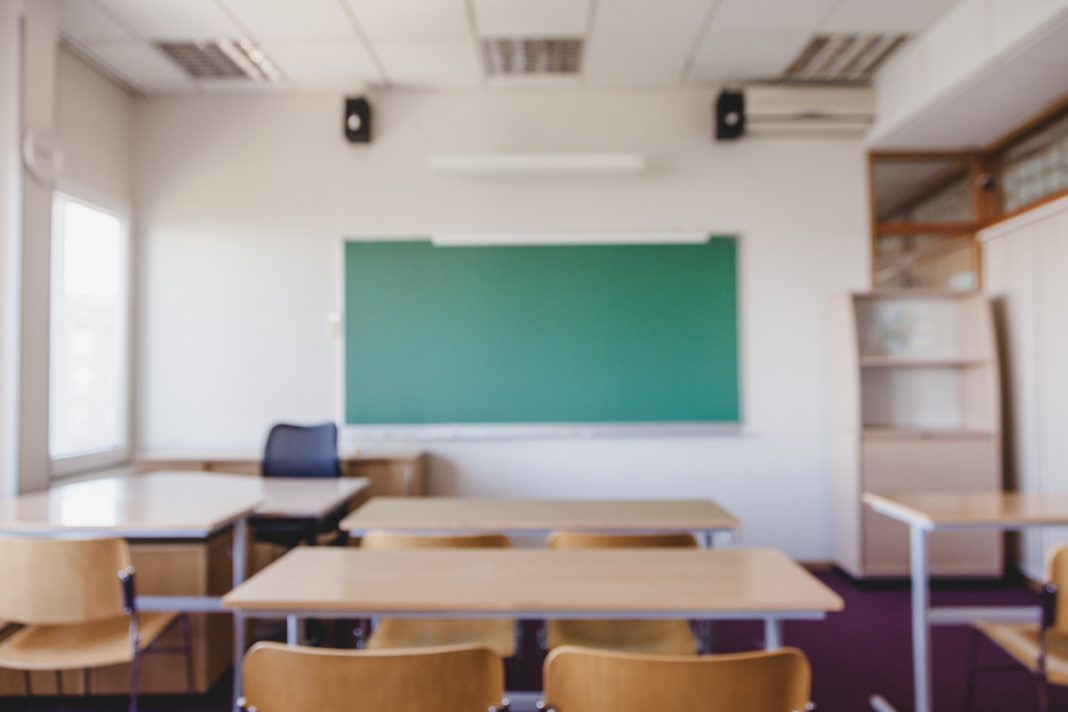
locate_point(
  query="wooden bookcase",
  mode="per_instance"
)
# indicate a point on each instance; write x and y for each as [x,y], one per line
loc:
[915,408]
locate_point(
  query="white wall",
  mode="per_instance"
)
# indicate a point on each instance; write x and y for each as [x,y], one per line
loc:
[243,202]
[37,107]
[10,242]
[1025,260]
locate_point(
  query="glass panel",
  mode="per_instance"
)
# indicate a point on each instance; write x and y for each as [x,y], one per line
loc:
[88,362]
[926,261]
[931,190]
[1035,168]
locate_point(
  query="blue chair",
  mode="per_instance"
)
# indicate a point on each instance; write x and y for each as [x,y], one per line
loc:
[302,451]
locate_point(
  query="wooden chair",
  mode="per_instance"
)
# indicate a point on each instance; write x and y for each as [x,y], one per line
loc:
[496,634]
[281,678]
[586,680]
[75,603]
[1041,648]
[672,637]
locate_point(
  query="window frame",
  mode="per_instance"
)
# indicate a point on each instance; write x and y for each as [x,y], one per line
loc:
[72,465]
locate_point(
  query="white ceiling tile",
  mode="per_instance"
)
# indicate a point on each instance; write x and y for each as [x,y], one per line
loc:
[333,64]
[640,17]
[531,18]
[143,66]
[635,60]
[450,62]
[875,16]
[84,20]
[285,18]
[173,20]
[740,57]
[412,18]
[772,16]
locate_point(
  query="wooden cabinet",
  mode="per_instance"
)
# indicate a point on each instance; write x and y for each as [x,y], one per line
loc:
[916,408]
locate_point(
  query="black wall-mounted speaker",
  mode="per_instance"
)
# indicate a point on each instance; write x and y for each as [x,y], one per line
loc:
[357,120]
[730,115]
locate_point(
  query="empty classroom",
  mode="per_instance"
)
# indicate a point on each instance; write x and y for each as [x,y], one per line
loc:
[515,355]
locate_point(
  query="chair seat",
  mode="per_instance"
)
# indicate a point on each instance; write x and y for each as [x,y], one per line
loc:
[637,636]
[81,645]
[1020,640]
[496,634]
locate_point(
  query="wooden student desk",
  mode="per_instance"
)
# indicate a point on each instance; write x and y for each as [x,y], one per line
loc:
[306,505]
[388,475]
[533,516]
[326,582]
[189,543]
[933,512]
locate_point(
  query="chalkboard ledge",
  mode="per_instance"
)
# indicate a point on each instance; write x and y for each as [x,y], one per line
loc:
[539,431]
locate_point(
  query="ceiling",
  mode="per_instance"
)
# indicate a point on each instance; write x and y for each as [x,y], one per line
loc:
[346,45]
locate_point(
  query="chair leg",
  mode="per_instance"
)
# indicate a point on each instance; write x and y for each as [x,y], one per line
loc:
[61,697]
[28,684]
[1043,694]
[973,661]
[135,679]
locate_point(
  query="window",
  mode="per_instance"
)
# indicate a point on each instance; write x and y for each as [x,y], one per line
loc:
[88,406]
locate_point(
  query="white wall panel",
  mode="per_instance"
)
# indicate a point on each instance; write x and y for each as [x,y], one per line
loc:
[1024,263]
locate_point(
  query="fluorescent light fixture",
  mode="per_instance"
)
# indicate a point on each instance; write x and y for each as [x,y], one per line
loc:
[680,237]
[537,164]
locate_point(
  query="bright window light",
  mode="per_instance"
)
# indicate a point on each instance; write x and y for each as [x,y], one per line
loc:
[89,336]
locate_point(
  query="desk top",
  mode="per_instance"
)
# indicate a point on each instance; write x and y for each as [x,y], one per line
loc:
[160,505]
[528,515]
[305,497]
[242,457]
[938,510]
[537,582]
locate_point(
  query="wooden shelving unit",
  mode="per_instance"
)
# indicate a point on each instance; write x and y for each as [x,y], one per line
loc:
[916,407]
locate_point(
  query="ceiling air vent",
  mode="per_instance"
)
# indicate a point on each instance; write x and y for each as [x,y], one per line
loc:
[842,58]
[222,59]
[532,57]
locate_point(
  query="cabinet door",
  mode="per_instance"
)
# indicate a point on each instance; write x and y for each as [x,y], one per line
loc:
[935,464]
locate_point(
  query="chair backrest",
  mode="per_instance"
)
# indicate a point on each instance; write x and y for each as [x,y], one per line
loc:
[587,680]
[394,540]
[282,678]
[593,540]
[1058,576]
[56,581]
[301,451]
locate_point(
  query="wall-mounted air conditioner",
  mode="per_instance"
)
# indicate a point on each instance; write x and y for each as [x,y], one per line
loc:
[800,109]
[771,108]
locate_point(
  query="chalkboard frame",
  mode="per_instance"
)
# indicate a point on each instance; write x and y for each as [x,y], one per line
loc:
[409,431]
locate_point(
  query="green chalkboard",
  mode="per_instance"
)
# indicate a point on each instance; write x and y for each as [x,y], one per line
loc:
[541,334]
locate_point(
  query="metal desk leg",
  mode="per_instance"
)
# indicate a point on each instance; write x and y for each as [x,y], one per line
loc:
[239,654]
[294,629]
[921,641]
[240,552]
[772,634]
[706,632]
